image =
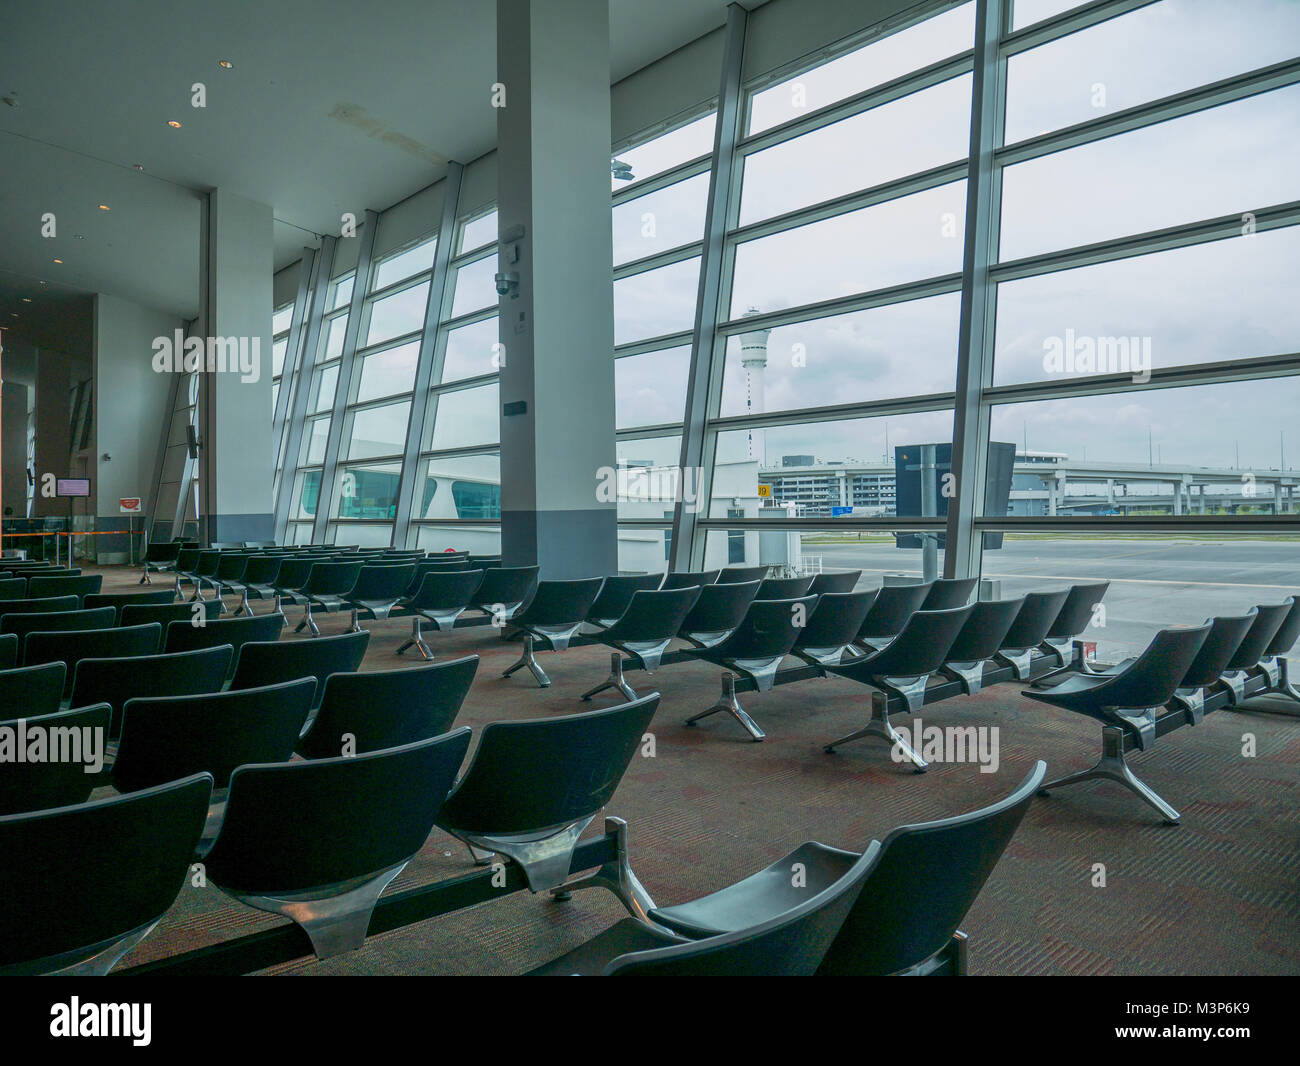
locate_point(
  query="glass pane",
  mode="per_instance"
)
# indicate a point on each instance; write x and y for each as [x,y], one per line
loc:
[472,351]
[907,349]
[460,486]
[1228,299]
[465,417]
[362,534]
[658,221]
[663,153]
[368,492]
[902,240]
[829,551]
[1160,176]
[475,286]
[315,434]
[340,293]
[397,315]
[479,540]
[650,389]
[644,551]
[278,348]
[306,494]
[814,468]
[335,329]
[881,61]
[389,372]
[1207,449]
[323,385]
[656,302]
[478,231]
[648,481]
[282,319]
[1027,12]
[404,264]
[1155,51]
[378,431]
[924,130]
[298,533]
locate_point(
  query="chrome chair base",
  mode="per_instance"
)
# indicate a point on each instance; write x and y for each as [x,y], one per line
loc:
[970,675]
[1113,767]
[880,726]
[545,856]
[379,610]
[1020,660]
[95,960]
[616,680]
[307,622]
[617,877]
[727,702]
[417,640]
[527,659]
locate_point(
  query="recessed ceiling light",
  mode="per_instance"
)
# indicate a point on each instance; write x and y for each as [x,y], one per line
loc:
[58,260]
[225,64]
[137,166]
[104,207]
[78,237]
[173,124]
[27,299]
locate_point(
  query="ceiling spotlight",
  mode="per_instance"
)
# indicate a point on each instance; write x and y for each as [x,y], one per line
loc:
[173,124]
[104,207]
[225,64]
[137,166]
[78,237]
[27,299]
[58,260]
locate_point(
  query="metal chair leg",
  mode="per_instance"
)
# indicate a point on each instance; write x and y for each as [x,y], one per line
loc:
[417,640]
[527,659]
[308,622]
[1113,767]
[615,680]
[880,726]
[728,702]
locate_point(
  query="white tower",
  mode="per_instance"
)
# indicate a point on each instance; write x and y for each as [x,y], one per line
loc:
[753,360]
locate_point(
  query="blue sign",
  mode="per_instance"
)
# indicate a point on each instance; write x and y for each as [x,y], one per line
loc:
[840,512]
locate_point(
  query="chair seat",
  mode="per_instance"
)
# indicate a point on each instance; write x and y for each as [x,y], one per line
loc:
[591,958]
[760,896]
[1075,685]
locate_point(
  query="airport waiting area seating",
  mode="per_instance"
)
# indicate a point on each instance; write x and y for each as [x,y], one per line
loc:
[552,617]
[647,625]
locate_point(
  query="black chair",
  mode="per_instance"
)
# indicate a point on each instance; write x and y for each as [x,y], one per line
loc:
[8,651]
[784,588]
[442,598]
[555,613]
[186,560]
[484,562]
[377,590]
[204,572]
[229,578]
[838,583]
[165,738]
[237,631]
[643,632]
[765,636]
[54,604]
[258,581]
[894,605]
[187,611]
[293,574]
[833,627]
[615,595]
[504,590]
[283,660]
[42,587]
[55,621]
[1127,704]
[1029,630]
[75,747]
[70,646]
[318,841]
[159,558]
[326,590]
[1273,664]
[1268,621]
[1075,616]
[32,690]
[920,887]
[1225,637]
[381,709]
[901,669]
[717,612]
[981,638]
[735,575]
[534,786]
[13,588]
[95,878]
[116,680]
[686,579]
[118,600]
[949,592]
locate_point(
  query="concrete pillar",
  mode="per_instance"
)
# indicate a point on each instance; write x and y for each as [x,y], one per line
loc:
[237,457]
[13,474]
[53,427]
[557,320]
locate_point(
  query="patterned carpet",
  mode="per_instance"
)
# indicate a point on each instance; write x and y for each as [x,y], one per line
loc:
[1219,894]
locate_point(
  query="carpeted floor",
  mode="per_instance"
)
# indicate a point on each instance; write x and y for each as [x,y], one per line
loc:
[1219,894]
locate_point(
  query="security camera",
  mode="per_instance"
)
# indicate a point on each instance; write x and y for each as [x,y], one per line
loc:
[507,283]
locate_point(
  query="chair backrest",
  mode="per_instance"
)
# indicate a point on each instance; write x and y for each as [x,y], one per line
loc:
[13,608]
[13,588]
[284,660]
[232,565]
[558,603]
[923,884]
[332,579]
[32,690]
[380,709]
[136,614]
[207,562]
[164,738]
[185,636]
[162,552]
[734,575]
[1268,620]
[504,584]
[792,944]
[617,592]
[75,749]
[61,621]
[844,582]
[547,772]
[923,645]
[382,582]
[295,572]
[186,559]
[894,605]
[116,680]
[784,588]
[72,645]
[1076,612]
[1288,633]
[262,569]
[720,607]
[769,628]
[949,592]
[837,620]
[684,579]
[80,587]
[1150,680]
[447,590]
[1226,635]
[1036,616]
[107,867]
[8,650]
[299,825]
[985,631]
[119,600]
[653,614]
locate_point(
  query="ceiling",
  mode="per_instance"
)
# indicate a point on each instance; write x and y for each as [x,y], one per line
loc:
[329,107]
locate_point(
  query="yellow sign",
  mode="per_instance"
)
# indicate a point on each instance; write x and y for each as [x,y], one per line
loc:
[765,491]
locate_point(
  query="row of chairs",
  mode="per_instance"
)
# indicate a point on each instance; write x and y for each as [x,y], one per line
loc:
[46,582]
